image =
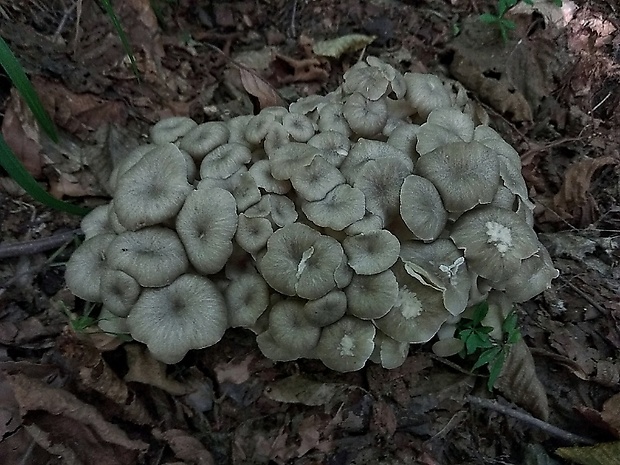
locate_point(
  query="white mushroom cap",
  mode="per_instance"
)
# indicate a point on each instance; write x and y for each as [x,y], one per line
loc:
[443,126]
[371,296]
[341,207]
[86,265]
[373,252]
[97,222]
[224,161]
[421,208]
[347,344]
[153,256]
[290,329]
[206,225]
[366,117]
[495,241]
[425,93]
[325,310]
[119,291]
[153,190]
[126,163]
[247,298]
[170,129]
[190,313]
[466,174]
[204,138]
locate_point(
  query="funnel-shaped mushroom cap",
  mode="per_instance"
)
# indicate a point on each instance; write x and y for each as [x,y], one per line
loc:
[224,161]
[204,138]
[206,225]
[290,329]
[373,252]
[425,93]
[367,224]
[388,352]
[126,163]
[247,297]
[278,208]
[366,117]
[533,277]
[300,127]
[443,126]
[313,181]
[86,265]
[327,309]
[300,261]
[373,80]
[288,158]
[261,173]
[153,190]
[441,264]
[421,208]
[170,129]
[331,118]
[341,207]
[333,146]
[417,314]
[252,233]
[404,137]
[365,150]
[371,296]
[495,241]
[347,344]
[119,291]
[188,314]
[466,174]
[97,222]
[153,256]
[110,323]
[274,351]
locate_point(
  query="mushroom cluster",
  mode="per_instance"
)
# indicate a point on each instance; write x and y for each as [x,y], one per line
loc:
[344,228]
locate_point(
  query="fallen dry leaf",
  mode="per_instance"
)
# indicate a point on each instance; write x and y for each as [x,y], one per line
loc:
[289,69]
[143,368]
[611,414]
[601,454]
[301,390]
[235,372]
[185,447]
[265,93]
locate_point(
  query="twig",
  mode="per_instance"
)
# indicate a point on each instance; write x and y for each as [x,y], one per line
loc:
[37,245]
[530,420]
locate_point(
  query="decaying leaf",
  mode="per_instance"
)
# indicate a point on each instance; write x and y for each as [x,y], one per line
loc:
[601,454]
[185,447]
[611,414]
[235,371]
[519,383]
[301,390]
[143,368]
[265,93]
[335,48]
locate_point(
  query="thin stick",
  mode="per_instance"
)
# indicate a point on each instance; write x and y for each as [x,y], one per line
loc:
[17,249]
[527,418]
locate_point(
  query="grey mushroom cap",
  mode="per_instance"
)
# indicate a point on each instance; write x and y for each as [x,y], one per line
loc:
[495,241]
[300,127]
[113,324]
[421,208]
[86,265]
[252,233]
[224,161]
[204,138]
[389,353]
[347,344]
[278,208]
[247,297]
[333,145]
[261,173]
[170,129]
[425,93]
[444,126]
[190,313]
[119,291]
[274,351]
[290,329]
[153,190]
[533,277]
[206,225]
[327,309]
[285,160]
[341,207]
[466,174]
[370,297]
[313,181]
[366,117]
[126,163]
[96,222]
[153,256]
[373,252]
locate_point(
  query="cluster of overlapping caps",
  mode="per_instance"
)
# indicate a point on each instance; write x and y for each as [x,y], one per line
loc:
[344,228]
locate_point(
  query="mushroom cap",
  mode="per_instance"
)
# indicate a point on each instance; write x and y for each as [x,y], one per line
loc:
[417,314]
[425,93]
[259,126]
[278,208]
[466,174]
[533,277]
[133,157]
[261,173]
[373,252]
[247,297]
[373,80]
[252,233]
[443,126]
[190,313]
[86,265]
[299,126]
[365,150]
[347,344]
[153,256]
[170,129]
[421,208]
[110,323]
[448,347]
[495,241]
[206,225]
[286,159]
[313,181]
[334,146]
[365,225]
[371,296]
[300,261]
[97,222]
[388,352]
[290,329]
[325,310]
[341,207]
[331,118]
[274,351]
[441,264]
[153,190]
[404,137]
[224,161]
[366,117]
[119,291]
[204,138]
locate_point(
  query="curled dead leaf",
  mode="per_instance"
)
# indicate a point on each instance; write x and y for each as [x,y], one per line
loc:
[256,86]
[335,48]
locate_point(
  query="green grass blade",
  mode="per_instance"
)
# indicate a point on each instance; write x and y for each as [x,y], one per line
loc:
[19,79]
[121,34]
[16,170]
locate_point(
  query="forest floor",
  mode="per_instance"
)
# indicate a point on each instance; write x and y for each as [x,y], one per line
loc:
[71,396]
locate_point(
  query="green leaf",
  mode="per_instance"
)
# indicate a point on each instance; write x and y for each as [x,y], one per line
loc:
[557,3]
[487,357]
[121,34]
[528,2]
[480,312]
[504,5]
[510,323]
[508,24]
[489,18]
[82,322]
[495,368]
[19,79]
[16,170]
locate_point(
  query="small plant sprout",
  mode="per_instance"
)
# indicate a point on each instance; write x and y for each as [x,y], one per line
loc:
[491,352]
